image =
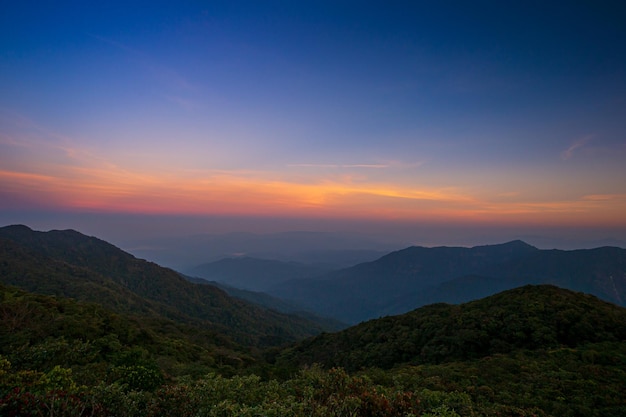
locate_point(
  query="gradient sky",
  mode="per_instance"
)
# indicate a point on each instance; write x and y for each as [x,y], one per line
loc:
[475,113]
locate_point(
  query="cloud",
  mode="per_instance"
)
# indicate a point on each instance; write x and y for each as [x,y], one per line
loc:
[48,170]
[569,152]
[605,197]
[382,165]
[372,166]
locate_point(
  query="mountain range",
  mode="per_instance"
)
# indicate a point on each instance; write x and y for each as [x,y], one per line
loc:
[416,276]
[67,263]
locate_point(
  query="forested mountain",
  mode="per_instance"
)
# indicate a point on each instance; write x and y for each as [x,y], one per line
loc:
[272,303]
[526,318]
[530,351]
[41,332]
[67,263]
[416,276]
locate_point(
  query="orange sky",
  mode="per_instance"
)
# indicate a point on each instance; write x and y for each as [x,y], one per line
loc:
[249,193]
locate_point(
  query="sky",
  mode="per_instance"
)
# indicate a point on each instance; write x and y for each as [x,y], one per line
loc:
[489,119]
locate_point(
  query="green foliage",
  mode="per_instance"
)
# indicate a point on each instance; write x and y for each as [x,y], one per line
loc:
[587,380]
[99,345]
[312,392]
[531,317]
[559,382]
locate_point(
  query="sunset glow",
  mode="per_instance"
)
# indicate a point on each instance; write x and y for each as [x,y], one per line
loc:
[404,114]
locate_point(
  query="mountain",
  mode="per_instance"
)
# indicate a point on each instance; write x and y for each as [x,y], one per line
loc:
[253,274]
[525,318]
[367,290]
[67,263]
[416,276]
[599,271]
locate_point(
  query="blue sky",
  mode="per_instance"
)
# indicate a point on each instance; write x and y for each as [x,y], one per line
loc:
[477,114]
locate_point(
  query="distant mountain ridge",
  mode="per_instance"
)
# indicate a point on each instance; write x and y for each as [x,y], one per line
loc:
[416,276]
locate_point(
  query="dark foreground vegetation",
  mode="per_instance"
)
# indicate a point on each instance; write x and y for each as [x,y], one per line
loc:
[64,358]
[88,330]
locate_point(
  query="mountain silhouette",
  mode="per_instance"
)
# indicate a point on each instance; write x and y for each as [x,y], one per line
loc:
[416,276]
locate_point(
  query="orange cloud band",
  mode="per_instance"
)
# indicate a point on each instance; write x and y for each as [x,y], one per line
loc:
[111,189]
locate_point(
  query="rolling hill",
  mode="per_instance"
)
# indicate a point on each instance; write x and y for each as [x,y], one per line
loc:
[525,318]
[530,351]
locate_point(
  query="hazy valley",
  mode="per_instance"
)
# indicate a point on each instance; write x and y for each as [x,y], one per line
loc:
[409,278]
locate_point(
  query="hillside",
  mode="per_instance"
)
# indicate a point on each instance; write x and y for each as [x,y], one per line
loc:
[272,303]
[533,351]
[416,276]
[67,263]
[41,332]
[526,318]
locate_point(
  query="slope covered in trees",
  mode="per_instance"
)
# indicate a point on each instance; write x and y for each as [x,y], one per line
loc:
[77,359]
[526,318]
[70,264]
[39,332]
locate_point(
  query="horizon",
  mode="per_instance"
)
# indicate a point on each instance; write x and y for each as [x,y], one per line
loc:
[331,248]
[355,236]
[448,124]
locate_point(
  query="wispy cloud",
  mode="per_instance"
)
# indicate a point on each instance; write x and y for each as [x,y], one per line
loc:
[372,166]
[111,188]
[577,144]
[31,148]
[381,165]
[52,171]
[605,197]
